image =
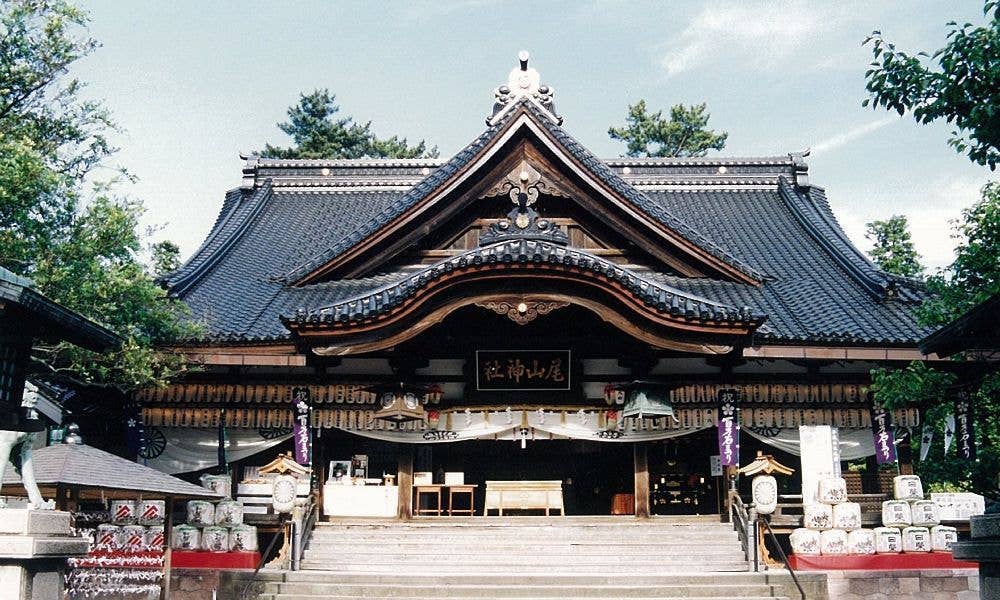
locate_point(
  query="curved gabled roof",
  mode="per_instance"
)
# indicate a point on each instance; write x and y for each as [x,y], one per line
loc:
[373,304]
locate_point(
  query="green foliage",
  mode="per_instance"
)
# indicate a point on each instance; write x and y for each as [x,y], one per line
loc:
[317,133]
[974,276]
[957,83]
[685,134]
[893,251]
[166,257]
[82,254]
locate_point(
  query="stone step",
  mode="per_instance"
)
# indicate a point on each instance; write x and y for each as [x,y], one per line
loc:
[529,556]
[694,577]
[437,567]
[515,591]
[283,596]
[570,548]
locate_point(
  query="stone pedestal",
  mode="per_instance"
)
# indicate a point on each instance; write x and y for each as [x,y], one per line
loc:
[984,548]
[34,546]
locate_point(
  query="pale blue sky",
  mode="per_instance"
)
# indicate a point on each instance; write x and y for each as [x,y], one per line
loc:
[195,83]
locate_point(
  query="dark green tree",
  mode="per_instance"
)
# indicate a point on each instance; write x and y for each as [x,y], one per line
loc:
[684,134]
[957,83]
[317,132]
[893,251]
[81,251]
[974,275]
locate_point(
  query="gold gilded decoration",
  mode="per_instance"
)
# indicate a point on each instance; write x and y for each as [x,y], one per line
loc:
[522,311]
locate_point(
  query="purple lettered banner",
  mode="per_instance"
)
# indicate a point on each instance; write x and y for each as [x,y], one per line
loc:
[964,428]
[729,428]
[300,430]
[885,443]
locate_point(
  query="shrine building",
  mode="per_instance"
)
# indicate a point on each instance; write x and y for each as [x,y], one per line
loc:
[527,311]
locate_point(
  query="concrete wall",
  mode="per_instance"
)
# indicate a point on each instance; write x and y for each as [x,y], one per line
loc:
[926,584]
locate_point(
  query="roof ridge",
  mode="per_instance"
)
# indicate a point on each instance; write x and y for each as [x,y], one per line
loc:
[427,185]
[831,237]
[254,204]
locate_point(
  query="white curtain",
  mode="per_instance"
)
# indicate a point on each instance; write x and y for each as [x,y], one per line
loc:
[534,425]
[193,449]
[854,443]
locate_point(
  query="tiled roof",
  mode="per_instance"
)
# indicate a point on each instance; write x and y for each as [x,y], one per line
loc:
[86,467]
[758,216]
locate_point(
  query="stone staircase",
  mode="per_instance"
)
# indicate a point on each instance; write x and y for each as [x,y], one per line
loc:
[525,558]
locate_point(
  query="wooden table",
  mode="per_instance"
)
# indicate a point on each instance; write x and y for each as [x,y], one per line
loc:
[462,489]
[524,495]
[433,490]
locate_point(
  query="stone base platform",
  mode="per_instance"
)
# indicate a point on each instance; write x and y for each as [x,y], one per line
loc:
[34,546]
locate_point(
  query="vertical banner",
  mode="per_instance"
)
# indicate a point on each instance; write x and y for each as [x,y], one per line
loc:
[223,442]
[300,430]
[964,427]
[926,439]
[135,439]
[885,443]
[729,427]
[949,432]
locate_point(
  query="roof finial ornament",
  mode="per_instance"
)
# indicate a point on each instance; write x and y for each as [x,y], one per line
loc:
[523,82]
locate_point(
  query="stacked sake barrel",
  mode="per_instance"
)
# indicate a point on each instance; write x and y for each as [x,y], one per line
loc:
[832,524]
[910,523]
[215,527]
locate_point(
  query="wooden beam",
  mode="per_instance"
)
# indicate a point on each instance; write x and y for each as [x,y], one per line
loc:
[641,462]
[404,479]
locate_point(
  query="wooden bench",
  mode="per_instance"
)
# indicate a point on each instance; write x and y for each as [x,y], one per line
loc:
[523,495]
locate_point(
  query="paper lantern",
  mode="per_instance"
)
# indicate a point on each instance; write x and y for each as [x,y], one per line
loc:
[764,491]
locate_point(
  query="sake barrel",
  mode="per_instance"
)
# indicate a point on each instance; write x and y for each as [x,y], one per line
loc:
[833,542]
[832,490]
[907,487]
[243,538]
[200,513]
[107,536]
[817,516]
[896,513]
[185,537]
[215,539]
[942,537]
[804,541]
[888,540]
[917,539]
[122,512]
[861,541]
[220,484]
[132,536]
[847,515]
[229,513]
[925,513]
[152,512]
[154,537]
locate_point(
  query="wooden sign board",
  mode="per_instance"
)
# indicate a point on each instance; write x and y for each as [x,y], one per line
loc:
[523,370]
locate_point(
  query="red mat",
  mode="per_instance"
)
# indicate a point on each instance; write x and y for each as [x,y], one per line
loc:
[879,562]
[186,559]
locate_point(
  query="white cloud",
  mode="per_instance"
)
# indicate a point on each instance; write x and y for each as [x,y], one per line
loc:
[841,139]
[763,32]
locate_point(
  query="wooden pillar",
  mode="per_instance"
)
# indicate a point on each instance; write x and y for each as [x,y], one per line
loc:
[404,479]
[168,525]
[641,480]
